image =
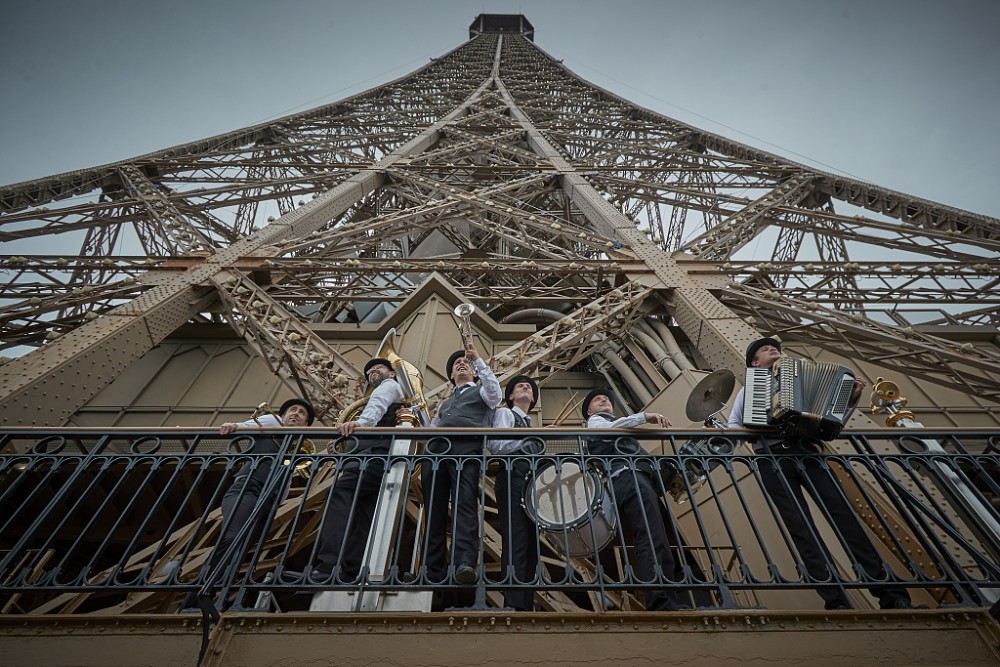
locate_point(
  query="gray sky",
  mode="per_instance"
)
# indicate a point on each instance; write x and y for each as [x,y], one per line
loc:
[903,94]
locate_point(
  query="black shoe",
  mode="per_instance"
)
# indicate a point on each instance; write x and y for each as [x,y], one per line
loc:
[670,605]
[832,606]
[298,577]
[465,574]
[896,603]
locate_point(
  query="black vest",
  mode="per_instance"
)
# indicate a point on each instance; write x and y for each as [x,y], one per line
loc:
[617,446]
[388,420]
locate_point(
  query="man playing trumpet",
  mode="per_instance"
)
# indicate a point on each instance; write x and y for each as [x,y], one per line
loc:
[453,481]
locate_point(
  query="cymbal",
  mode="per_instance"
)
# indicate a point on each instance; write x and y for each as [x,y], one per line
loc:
[710,395]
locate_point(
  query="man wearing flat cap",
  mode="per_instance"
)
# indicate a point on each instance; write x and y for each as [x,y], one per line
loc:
[455,481]
[635,494]
[799,468]
[519,538]
[249,483]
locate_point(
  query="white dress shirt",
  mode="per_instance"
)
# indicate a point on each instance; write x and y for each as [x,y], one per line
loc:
[381,398]
[504,418]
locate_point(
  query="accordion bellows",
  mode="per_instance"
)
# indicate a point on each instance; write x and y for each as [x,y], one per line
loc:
[799,397]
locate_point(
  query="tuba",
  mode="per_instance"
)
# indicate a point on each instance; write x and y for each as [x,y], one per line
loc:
[409,380]
[307,446]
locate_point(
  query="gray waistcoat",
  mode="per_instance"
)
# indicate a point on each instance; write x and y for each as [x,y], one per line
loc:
[465,411]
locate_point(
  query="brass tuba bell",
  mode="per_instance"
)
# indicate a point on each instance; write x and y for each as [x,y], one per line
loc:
[409,380]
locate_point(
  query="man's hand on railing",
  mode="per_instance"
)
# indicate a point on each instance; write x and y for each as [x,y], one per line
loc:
[228,428]
[657,418]
[347,428]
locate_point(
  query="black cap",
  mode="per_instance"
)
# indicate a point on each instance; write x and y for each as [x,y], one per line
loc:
[600,391]
[298,401]
[451,362]
[377,361]
[759,343]
[510,387]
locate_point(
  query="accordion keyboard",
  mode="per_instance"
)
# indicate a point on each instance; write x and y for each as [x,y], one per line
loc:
[757,397]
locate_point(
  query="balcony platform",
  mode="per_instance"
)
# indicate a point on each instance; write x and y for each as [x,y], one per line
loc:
[747,637]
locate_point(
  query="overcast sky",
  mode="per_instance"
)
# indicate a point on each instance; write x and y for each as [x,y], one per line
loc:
[904,94]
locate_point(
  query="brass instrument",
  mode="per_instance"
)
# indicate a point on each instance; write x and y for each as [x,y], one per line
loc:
[306,447]
[464,313]
[409,380]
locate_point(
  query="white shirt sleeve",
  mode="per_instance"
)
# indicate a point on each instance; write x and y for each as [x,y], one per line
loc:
[266,421]
[381,398]
[502,418]
[489,390]
[631,421]
[736,414]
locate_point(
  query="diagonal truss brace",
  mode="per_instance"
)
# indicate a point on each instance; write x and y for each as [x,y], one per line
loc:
[964,367]
[739,229]
[570,340]
[291,350]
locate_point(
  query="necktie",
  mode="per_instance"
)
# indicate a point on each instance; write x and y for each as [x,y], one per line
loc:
[527,421]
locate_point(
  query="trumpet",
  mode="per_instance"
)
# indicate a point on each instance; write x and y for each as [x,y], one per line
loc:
[464,313]
[306,447]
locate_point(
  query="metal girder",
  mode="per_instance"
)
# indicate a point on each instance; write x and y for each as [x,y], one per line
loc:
[567,341]
[694,304]
[963,366]
[303,360]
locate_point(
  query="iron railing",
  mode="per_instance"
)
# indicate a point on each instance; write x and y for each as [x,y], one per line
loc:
[129,519]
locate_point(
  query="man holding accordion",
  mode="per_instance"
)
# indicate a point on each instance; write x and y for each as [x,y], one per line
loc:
[794,469]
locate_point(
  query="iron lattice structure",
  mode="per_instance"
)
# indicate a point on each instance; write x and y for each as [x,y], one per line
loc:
[503,173]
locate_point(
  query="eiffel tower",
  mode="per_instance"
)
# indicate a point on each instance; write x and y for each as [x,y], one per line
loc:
[600,242]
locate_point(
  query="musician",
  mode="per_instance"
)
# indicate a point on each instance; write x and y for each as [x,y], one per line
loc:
[785,481]
[636,496]
[341,545]
[519,544]
[249,482]
[470,406]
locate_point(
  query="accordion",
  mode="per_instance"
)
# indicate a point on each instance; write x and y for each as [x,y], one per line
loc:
[798,397]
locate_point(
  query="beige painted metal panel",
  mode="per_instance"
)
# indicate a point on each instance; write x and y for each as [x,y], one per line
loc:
[838,639]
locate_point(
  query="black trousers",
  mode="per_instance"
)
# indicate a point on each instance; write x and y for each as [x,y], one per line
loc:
[456,483]
[639,509]
[798,470]
[238,503]
[350,510]
[519,536]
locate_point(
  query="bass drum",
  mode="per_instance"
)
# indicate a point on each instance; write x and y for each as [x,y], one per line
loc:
[571,505]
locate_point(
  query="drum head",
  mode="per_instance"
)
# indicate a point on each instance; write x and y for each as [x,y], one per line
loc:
[562,498]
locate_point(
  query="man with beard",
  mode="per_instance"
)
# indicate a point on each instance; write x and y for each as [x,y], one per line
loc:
[359,480]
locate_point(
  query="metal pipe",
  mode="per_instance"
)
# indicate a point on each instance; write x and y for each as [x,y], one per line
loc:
[671,346]
[533,314]
[657,353]
[629,376]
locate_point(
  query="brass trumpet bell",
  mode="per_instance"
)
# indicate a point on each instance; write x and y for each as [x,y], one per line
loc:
[464,313]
